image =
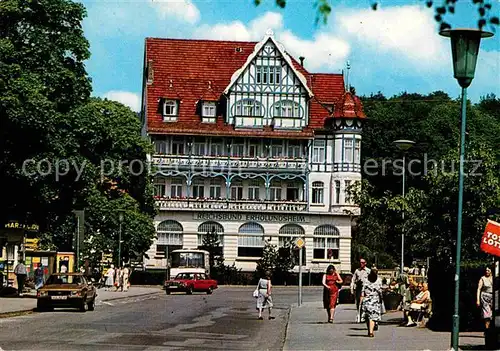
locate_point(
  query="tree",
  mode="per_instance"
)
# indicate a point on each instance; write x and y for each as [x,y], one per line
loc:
[268,260]
[285,261]
[211,244]
[324,9]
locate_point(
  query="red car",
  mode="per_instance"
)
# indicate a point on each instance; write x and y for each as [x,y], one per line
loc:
[189,282]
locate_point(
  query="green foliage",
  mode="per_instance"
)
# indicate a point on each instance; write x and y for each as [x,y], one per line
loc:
[285,261]
[268,260]
[211,244]
[324,9]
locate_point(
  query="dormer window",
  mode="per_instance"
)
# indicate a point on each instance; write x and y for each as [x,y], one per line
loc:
[208,109]
[249,107]
[170,110]
[268,74]
[287,109]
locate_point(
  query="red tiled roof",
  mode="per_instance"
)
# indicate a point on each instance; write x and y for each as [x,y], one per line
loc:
[193,70]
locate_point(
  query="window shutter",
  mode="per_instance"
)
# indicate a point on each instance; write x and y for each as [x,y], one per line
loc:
[160,106]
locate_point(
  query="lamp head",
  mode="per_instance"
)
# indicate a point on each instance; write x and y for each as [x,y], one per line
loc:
[464,50]
[404,144]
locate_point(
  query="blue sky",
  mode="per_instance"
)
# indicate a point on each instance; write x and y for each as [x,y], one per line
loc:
[391,50]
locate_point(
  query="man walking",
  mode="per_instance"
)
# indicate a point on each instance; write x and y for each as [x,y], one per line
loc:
[21,273]
[358,278]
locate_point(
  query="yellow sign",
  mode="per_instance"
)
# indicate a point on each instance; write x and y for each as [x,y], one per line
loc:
[299,243]
[17,225]
[31,244]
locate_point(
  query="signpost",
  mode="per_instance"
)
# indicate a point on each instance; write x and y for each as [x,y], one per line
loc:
[299,244]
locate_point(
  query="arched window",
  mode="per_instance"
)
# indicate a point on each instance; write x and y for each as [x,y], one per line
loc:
[248,107]
[208,227]
[287,109]
[318,192]
[287,236]
[326,242]
[170,237]
[250,240]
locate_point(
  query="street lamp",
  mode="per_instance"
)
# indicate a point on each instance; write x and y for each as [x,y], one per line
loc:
[403,145]
[120,218]
[464,50]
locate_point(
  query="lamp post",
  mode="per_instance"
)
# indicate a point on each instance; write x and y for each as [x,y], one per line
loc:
[403,145]
[464,49]
[120,218]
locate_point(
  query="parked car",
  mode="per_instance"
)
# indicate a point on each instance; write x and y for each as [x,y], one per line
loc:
[189,282]
[71,290]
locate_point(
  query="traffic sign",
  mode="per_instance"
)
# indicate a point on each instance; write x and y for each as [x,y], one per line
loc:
[299,243]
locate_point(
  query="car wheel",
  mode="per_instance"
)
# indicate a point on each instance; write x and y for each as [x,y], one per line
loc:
[167,291]
[189,290]
[91,305]
[83,305]
[43,307]
[210,291]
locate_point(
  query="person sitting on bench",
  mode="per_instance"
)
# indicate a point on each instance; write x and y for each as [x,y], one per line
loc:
[419,304]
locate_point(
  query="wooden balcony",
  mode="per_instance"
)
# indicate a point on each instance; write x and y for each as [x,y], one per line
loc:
[225,163]
[230,205]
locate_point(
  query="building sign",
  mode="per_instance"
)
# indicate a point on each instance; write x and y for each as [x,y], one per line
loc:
[254,217]
[490,243]
[17,225]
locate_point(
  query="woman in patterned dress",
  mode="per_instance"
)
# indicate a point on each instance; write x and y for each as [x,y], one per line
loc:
[264,299]
[330,291]
[485,297]
[371,299]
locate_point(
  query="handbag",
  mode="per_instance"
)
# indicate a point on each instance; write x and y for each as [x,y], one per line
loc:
[256,293]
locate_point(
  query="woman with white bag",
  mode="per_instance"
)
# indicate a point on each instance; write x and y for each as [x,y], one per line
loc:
[263,294]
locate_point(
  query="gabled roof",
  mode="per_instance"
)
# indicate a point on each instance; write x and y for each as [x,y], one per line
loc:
[183,67]
[269,37]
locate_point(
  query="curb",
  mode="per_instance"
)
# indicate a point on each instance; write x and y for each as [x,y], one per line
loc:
[130,297]
[287,331]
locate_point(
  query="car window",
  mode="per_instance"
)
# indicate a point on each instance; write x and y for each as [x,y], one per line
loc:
[202,276]
[65,279]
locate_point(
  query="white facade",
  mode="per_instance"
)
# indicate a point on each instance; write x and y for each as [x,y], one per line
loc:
[253,189]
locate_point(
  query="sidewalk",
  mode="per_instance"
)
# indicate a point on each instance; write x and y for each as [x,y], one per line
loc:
[308,330]
[12,305]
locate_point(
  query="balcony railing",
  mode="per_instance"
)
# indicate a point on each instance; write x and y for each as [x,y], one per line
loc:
[230,205]
[224,162]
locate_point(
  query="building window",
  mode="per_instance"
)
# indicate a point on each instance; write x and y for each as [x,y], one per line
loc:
[208,109]
[199,189]
[357,151]
[288,234]
[275,193]
[176,188]
[266,74]
[250,240]
[159,187]
[199,148]
[287,109]
[318,192]
[348,150]
[178,147]
[205,228]
[249,107]
[216,147]
[253,190]
[292,192]
[169,237]
[337,191]
[277,149]
[215,189]
[294,150]
[238,149]
[326,242]
[170,108]
[237,191]
[254,150]
[319,147]
[160,146]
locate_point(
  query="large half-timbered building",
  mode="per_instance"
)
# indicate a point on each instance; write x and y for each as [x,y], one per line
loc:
[251,144]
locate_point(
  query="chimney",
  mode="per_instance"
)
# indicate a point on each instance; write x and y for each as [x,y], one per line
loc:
[302,58]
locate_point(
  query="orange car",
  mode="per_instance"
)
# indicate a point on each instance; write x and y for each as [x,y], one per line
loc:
[67,290]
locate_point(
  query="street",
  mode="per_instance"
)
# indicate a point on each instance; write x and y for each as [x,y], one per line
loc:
[227,319]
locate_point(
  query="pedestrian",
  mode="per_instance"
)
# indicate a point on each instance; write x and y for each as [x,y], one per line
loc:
[21,273]
[264,299]
[330,291]
[39,276]
[110,278]
[371,299]
[359,277]
[125,277]
[485,297]
[118,278]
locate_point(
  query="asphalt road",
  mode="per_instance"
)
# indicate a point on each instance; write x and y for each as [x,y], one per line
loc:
[225,320]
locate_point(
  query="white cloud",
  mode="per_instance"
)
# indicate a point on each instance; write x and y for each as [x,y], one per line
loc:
[129,99]
[406,32]
[181,9]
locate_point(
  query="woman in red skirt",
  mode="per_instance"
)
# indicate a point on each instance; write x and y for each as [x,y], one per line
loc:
[331,291]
